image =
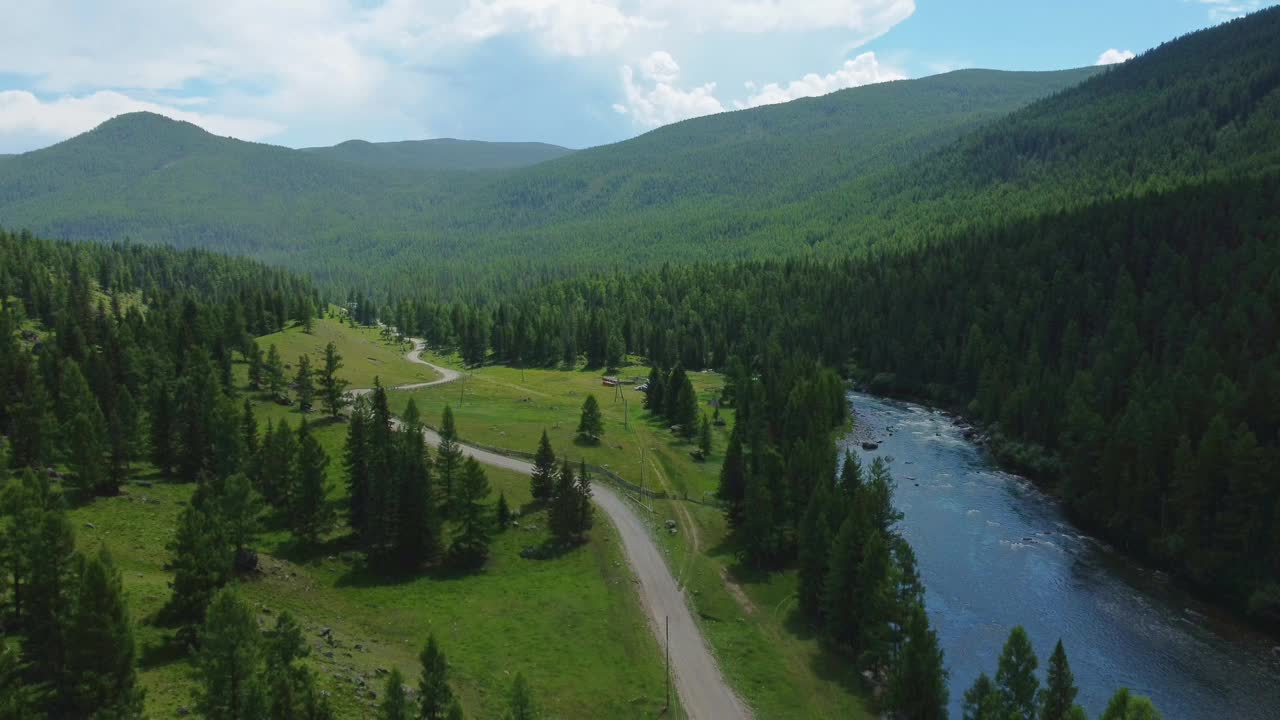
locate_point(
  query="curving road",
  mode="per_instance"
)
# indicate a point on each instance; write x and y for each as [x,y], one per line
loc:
[703,691]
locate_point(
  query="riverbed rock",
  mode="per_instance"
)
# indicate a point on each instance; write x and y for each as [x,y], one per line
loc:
[869,446]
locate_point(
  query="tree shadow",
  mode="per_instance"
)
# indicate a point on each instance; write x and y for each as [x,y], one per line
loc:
[581,441]
[549,549]
[302,553]
[165,651]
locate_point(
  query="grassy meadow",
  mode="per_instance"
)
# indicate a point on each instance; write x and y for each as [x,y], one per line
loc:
[750,619]
[572,623]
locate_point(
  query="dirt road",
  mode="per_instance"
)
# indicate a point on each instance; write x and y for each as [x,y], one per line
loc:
[703,691]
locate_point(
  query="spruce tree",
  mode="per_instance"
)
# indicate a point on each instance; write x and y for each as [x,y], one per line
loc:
[521,707]
[840,589]
[685,410]
[249,442]
[758,531]
[563,510]
[1016,675]
[583,519]
[448,461]
[470,545]
[273,369]
[275,464]
[229,664]
[304,383]
[814,548]
[52,574]
[309,513]
[333,390]
[918,680]
[434,693]
[1057,700]
[543,478]
[100,648]
[395,703]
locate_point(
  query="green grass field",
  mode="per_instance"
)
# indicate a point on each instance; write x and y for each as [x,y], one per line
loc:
[365,354]
[768,655]
[572,624]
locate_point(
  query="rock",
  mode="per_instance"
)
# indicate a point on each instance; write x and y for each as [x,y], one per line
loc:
[326,632]
[1275,652]
[90,526]
[868,445]
[143,483]
[671,524]
[328,654]
[382,671]
[357,647]
[373,695]
[183,712]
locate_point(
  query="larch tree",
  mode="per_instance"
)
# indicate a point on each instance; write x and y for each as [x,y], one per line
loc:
[434,693]
[521,706]
[101,653]
[1016,675]
[310,515]
[470,545]
[333,389]
[448,461]
[1057,700]
[304,383]
[591,423]
[273,369]
[542,481]
[229,663]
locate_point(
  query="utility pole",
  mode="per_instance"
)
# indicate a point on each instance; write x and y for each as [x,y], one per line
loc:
[668,662]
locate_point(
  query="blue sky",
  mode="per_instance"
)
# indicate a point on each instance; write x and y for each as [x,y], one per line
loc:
[571,72]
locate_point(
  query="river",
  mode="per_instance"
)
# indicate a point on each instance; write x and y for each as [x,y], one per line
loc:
[996,552]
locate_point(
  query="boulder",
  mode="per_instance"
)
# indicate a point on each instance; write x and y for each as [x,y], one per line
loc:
[868,445]
[246,560]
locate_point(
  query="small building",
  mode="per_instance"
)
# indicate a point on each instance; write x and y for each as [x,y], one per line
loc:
[609,381]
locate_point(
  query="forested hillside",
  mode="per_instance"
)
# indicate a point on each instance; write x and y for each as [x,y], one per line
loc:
[673,193]
[1128,351]
[442,154]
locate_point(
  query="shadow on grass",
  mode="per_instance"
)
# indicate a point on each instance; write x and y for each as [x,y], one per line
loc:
[166,651]
[301,553]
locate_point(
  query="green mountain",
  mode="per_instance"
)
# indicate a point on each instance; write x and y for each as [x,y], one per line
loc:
[896,163]
[157,180]
[444,154]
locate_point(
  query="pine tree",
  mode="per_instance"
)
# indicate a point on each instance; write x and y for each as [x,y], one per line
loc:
[52,573]
[309,513]
[591,424]
[434,693]
[1057,700]
[395,704]
[273,369]
[448,460]
[229,662]
[544,470]
[521,707]
[918,681]
[470,545]
[1016,675]
[101,651]
[333,390]
[305,384]
[704,436]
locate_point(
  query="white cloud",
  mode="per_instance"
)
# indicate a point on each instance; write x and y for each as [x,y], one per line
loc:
[1221,10]
[23,115]
[1114,56]
[22,112]
[861,70]
[663,103]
